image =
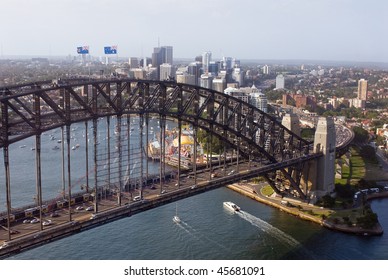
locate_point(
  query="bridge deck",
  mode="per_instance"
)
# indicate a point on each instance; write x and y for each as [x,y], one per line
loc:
[27,234]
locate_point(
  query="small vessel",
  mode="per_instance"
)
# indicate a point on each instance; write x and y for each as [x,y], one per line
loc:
[176,218]
[231,206]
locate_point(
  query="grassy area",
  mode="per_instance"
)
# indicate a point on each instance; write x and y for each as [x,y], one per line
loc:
[353,172]
[353,214]
[267,191]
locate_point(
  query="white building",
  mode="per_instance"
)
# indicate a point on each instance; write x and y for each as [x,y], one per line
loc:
[166,71]
[238,76]
[206,57]
[185,78]
[219,84]
[280,81]
[265,69]
[259,100]
[235,92]
[206,81]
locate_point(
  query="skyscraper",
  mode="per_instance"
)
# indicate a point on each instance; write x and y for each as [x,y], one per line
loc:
[258,99]
[206,81]
[362,89]
[206,57]
[238,76]
[227,63]
[133,62]
[162,55]
[194,69]
[167,53]
[219,84]
[167,71]
[265,69]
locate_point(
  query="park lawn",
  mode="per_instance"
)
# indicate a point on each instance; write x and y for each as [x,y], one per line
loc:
[355,171]
[353,214]
[267,191]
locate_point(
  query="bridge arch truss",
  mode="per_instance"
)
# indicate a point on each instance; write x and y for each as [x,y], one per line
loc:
[31,109]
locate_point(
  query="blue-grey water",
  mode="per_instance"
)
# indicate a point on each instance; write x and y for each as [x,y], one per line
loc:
[207,230]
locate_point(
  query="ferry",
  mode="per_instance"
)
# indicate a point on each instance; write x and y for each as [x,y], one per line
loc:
[231,206]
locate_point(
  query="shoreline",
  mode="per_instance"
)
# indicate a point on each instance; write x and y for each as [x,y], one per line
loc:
[248,191]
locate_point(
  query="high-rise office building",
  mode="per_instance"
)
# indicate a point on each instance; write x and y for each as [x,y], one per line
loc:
[235,92]
[238,76]
[280,81]
[219,84]
[362,89]
[227,63]
[167,54]
[185,78]
[206,57]
[258,99]
[167,71]
[195,70]
[162,55]
[157,57]
[265,69]
[206,81]
[133,62]
[213,67]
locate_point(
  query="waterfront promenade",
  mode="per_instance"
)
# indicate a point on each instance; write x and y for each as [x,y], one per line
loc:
[306,211]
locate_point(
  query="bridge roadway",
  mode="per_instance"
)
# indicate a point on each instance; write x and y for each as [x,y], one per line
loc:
[27,235]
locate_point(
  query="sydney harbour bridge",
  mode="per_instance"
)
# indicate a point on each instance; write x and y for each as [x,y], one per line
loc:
[254,144]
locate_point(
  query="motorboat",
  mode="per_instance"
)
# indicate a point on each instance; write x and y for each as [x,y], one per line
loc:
[176,219]
[232,206]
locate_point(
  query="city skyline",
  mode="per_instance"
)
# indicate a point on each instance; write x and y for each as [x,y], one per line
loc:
[341,30]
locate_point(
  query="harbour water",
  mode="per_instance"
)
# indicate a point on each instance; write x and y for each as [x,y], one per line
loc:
[207,229]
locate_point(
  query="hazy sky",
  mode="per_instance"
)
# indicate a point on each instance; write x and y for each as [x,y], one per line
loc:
[346,30]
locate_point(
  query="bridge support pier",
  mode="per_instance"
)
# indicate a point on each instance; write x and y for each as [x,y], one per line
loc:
[322,173]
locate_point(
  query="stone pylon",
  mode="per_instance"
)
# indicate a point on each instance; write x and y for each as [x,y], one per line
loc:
[322,171]
[291,121]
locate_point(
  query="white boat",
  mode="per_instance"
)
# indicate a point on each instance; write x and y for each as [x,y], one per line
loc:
[231,206]
[176,218]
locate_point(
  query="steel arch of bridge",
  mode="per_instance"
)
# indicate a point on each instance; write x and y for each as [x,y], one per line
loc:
[32,109]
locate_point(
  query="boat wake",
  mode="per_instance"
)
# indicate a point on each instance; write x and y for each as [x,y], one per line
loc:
[198,235]
[277,233]
[271,230]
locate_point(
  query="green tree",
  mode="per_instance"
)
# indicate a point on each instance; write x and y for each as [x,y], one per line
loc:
[217,145]
[360,134]
[369,153]
[369,220]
